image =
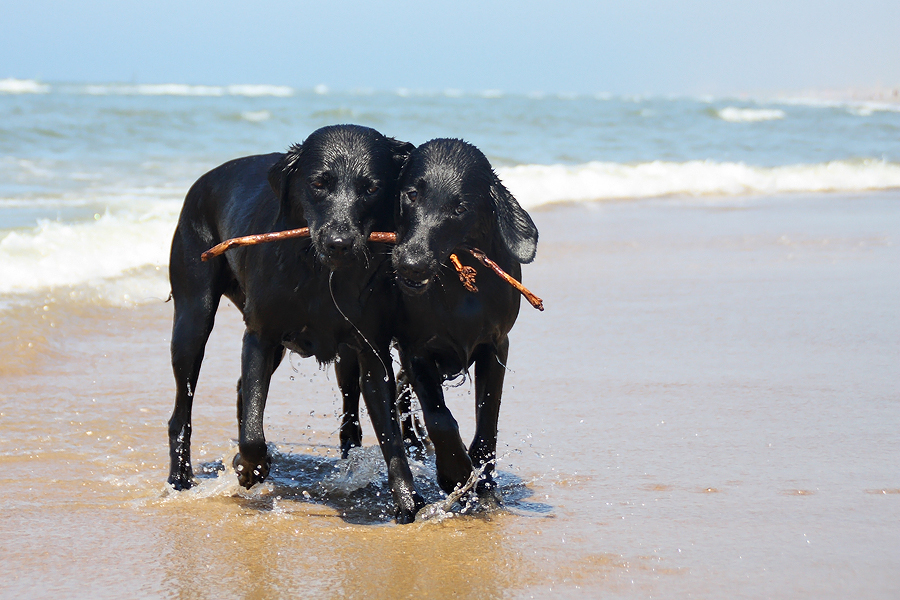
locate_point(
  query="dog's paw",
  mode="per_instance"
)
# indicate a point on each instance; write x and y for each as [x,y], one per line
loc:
[181,478]
[348,445]
[488,493]
[407,514]
[250,473]
[415,449]
[351,437]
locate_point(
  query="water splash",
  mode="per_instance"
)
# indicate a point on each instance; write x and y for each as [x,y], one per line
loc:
[363,466]
[443,508]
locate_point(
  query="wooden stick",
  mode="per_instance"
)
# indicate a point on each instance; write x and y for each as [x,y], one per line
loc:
[482,257]
[250,240]
[466,274]
[386,237]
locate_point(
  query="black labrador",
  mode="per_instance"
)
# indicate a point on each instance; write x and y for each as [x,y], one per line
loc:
[327,296]
[450,198]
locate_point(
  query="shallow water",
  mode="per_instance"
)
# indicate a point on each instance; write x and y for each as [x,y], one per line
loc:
[708,407]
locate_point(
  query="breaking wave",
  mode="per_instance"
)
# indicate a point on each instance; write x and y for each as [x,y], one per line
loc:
[120,257]
[180,89]
[733,114]
[22,86]
[534,185]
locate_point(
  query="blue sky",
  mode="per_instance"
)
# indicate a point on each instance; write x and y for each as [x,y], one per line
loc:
[650,46]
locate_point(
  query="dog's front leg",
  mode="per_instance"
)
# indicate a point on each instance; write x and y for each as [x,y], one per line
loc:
[379,392]
[258,360]
[453,465]
[490,369]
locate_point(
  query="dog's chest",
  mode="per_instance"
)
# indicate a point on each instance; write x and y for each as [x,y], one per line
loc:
[447,332]
[316,315]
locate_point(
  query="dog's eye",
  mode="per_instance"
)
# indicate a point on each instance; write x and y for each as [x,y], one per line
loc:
[317,184]
[460,209]
[412,195]
[372,188]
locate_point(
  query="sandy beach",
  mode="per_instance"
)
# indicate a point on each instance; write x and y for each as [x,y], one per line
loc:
[708,407]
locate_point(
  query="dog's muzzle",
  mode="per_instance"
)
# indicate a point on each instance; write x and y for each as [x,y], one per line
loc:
[336,250]
[414,276]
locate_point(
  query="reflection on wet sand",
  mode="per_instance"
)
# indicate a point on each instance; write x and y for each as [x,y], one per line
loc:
[305,530]
[271,553]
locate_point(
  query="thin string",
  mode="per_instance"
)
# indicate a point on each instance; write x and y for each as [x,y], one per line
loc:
[365,339]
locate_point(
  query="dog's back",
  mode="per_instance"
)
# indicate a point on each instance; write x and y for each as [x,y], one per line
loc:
[232,200]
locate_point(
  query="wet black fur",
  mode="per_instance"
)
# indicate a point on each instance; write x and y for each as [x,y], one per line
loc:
[341,182]
[450,197]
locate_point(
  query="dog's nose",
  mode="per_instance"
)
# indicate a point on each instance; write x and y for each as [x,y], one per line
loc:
[338,245]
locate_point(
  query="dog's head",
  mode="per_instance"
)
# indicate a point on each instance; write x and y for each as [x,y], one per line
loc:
[450,196]
[342,182]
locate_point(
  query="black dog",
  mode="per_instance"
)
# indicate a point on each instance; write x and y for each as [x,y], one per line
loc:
[327,296]
[450,198]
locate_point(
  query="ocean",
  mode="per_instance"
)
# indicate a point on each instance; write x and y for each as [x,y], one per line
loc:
[92,176]
[708,406]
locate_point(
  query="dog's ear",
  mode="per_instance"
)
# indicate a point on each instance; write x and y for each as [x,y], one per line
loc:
[517,230]
[280,178]
[400,151]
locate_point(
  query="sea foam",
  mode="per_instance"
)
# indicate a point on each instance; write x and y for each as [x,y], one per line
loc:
[857,107]
[120,257]
[22,86]
[732,114]
[180,89]
[59,254]
[534,185]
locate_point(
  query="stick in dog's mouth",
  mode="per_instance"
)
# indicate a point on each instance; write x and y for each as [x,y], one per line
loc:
[466,274]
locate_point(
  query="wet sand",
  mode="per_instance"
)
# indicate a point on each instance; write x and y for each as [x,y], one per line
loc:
[709,407]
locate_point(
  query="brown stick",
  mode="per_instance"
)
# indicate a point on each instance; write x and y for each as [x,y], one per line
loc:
[482,257]
[466,274]
[386,237]
[250,240]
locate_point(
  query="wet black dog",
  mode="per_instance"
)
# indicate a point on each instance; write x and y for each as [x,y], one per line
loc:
[450,197]
[327,296]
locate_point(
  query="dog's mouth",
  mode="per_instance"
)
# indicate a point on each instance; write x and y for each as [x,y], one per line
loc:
[415,269]
[336,262]
[413,286]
